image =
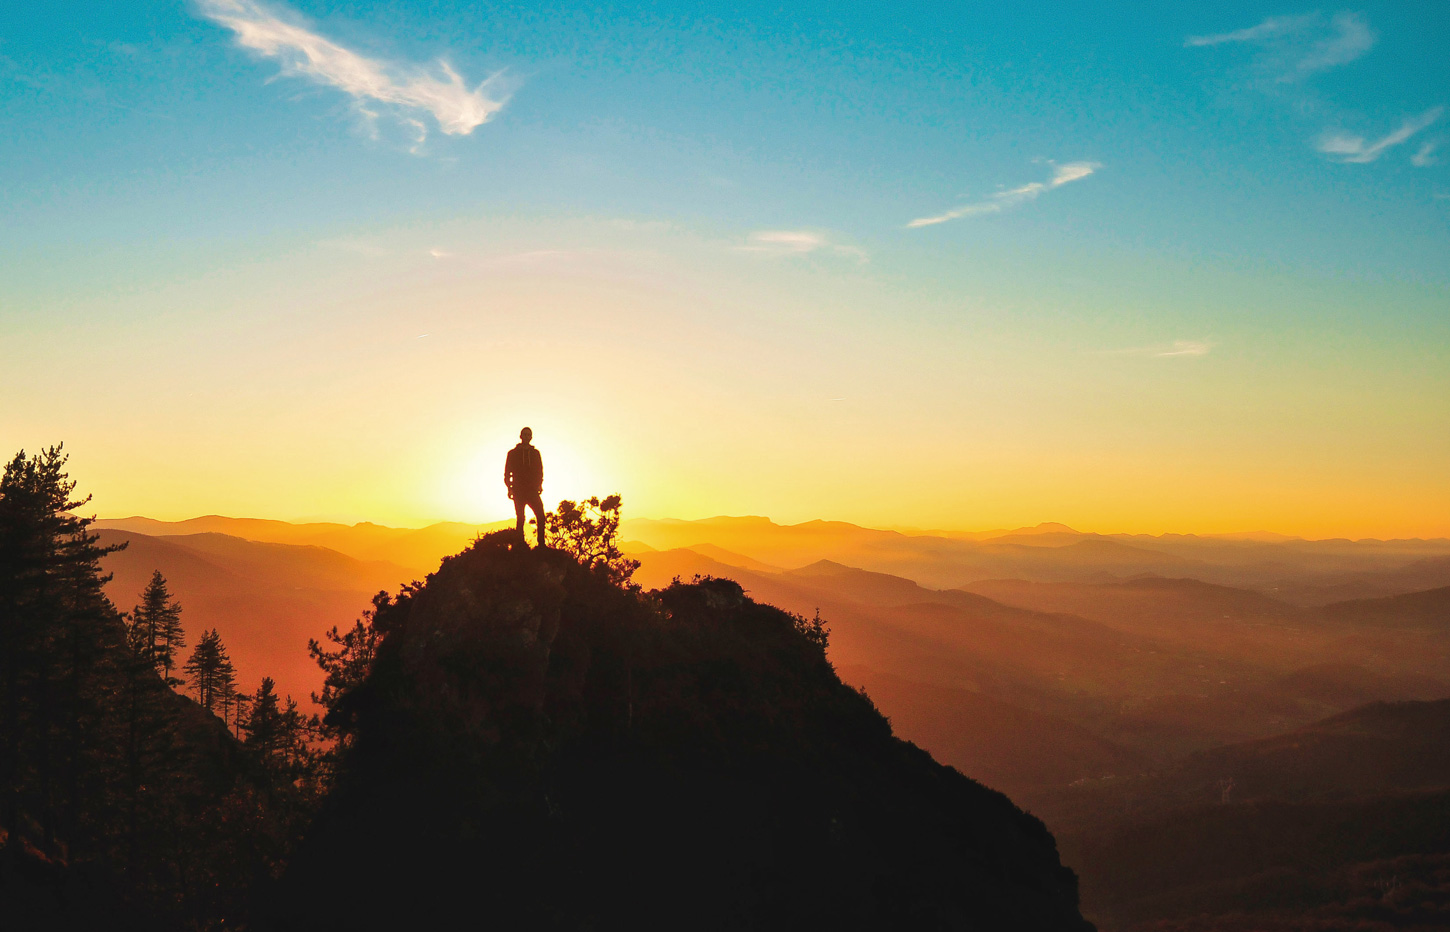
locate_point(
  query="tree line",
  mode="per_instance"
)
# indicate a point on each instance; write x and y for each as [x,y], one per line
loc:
[178,806]
[266,723]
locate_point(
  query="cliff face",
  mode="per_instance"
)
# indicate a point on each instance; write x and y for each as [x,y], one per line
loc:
[536,748]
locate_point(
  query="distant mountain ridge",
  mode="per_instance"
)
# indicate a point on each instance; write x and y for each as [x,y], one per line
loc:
[418,549]
[265,599]
[1293,569]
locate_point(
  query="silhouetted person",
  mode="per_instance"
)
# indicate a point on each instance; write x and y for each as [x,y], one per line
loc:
[523,473]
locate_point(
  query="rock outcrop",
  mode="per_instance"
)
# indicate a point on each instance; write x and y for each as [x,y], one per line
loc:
[536,748]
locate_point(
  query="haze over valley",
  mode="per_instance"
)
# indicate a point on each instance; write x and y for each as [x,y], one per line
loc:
[1090,677]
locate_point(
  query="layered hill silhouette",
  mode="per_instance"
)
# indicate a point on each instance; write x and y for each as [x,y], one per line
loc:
[265,599]
[1005,746]
[416,549]
[1292,570]
[1152,666]
[1336,825]
[539,748]
[1157,667]
[1341,655]
[1029,660]
[1430,609]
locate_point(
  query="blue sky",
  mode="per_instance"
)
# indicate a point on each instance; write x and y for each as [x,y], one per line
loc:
[1251,200]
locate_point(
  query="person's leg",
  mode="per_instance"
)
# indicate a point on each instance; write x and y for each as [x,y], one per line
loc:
[537,503]
[519,514]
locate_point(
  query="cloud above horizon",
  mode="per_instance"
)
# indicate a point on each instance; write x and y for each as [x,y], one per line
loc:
[1295,47]
[1343,147]
[797,243]
[1002,200]
[1168,350]
[408,89]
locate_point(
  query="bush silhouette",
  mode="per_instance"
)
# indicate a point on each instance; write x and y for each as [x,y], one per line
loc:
[588,532]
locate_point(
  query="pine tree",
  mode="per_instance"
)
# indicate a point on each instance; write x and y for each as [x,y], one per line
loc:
[156,631]
[210,672]
[225,686]
[52,613]
[173,639]
[296,754]
[101,769]
[264,726]
[239,706]
[346,666]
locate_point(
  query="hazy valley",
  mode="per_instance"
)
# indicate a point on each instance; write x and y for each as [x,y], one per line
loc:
[1107,683]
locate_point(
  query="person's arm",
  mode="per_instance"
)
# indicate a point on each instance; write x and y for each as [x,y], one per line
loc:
[508,473]
[541,468]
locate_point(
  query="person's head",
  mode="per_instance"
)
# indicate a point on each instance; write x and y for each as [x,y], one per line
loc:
[526,435]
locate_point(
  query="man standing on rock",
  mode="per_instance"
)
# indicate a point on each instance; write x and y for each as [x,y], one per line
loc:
[523,473]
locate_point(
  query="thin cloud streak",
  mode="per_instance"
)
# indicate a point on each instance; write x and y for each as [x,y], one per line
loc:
[1295,47]
[1426,156]
[1270,28]
[1162,351]
[457,110]
[797,243]
[1186,348]
[1343,147]
[1061,175]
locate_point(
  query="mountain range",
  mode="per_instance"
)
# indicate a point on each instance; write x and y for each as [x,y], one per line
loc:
[1102,681]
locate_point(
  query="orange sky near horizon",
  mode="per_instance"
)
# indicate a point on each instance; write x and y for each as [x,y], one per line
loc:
[700,382]
[414,484]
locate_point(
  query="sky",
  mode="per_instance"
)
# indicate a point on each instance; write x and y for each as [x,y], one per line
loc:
[1136,268]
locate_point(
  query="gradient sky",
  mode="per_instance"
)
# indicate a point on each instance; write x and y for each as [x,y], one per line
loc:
[1129,268]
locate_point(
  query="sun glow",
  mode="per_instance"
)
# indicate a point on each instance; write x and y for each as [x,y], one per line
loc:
[473,490]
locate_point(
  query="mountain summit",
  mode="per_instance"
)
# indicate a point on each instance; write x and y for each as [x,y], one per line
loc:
[535,747]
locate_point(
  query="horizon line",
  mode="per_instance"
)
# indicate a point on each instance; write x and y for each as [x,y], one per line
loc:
[904,530]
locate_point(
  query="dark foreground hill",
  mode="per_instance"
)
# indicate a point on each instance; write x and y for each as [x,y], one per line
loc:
[537,748]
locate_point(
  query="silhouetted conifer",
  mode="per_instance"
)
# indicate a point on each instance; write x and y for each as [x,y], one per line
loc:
[135,804]
[156,627]
[345,667]
[238,706]
[264,722]
[210,673]
[50,605]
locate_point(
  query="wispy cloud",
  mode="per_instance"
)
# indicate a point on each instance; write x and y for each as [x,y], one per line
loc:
[1271,28]
[1061,175]
[797,243]
[1294,47]
[408,89]
[1164,350]
[1185,348]
[1348,39]
[1346,148]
